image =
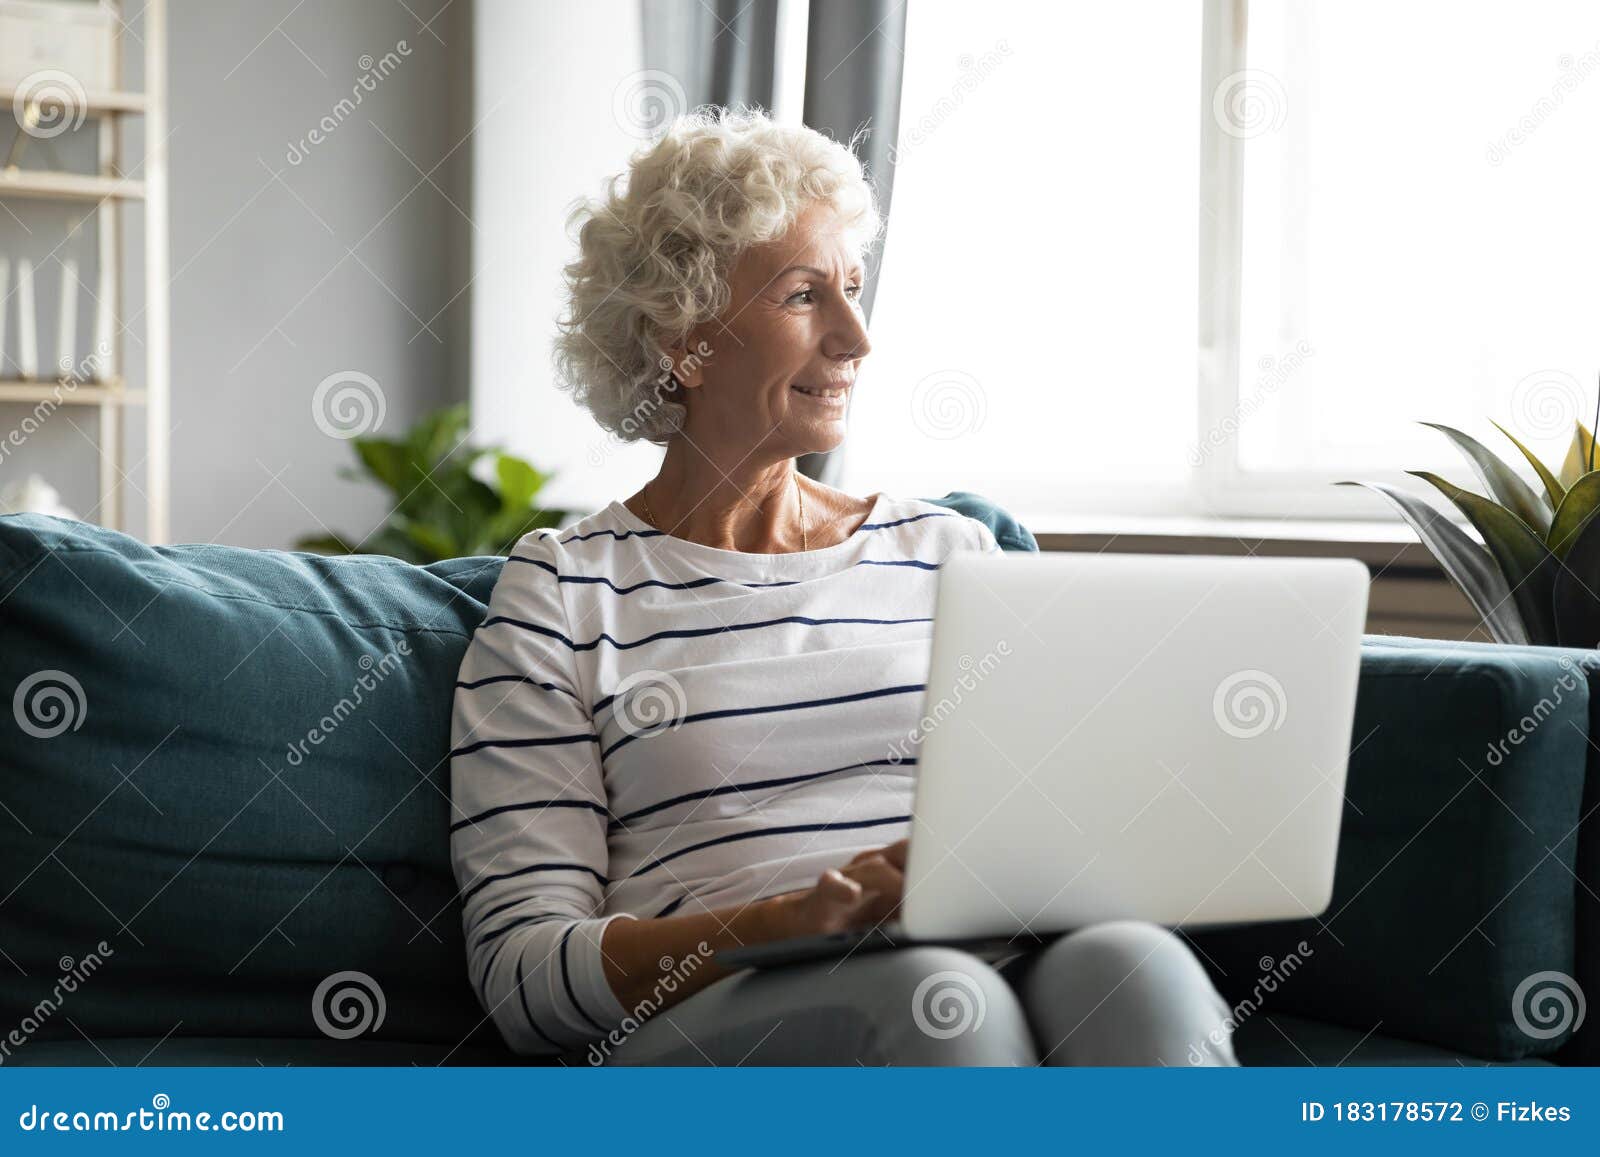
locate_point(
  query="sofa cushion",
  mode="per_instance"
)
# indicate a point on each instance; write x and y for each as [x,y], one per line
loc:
[1583,836]
[1453,893]
[225,782]
[251,794]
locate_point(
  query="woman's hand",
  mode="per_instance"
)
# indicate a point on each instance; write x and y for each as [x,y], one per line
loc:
[863,893]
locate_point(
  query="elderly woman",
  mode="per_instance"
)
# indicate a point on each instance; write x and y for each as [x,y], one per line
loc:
[674,732]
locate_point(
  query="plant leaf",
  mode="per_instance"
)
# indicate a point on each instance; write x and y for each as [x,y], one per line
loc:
[1577,604]
[1554,492]
[1580,502]
[1503,484]
[1577,460]
[385,460]
[1527,564]
[1469,565]
[519,482]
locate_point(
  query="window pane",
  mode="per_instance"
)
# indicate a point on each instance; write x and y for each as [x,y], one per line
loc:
[1035,329]
[1420,208]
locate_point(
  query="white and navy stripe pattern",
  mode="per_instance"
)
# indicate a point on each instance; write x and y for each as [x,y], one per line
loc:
[645,726]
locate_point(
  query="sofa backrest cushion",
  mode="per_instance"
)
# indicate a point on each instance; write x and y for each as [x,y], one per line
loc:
[229,768]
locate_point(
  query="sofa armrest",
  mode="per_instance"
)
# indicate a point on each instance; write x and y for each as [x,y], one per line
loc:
[1457,865]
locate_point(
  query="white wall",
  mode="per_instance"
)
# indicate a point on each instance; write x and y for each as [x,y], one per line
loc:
[546,86]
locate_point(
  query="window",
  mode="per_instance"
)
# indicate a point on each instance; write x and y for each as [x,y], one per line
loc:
[1149,260]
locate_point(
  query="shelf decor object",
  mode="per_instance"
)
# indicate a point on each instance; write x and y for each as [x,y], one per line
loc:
[61,66]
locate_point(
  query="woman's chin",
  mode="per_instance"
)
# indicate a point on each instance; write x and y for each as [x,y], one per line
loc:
[821,437]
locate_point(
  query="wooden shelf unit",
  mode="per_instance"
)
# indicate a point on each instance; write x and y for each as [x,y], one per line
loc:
[107,190]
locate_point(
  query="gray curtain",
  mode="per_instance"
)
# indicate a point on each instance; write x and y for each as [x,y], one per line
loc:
[723,52]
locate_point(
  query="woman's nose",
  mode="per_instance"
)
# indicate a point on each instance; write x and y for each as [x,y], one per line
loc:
[848,340]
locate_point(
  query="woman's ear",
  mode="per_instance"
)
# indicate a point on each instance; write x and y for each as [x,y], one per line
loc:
[685,360]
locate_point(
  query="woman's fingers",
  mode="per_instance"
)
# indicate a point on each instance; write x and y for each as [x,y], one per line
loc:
[834,886]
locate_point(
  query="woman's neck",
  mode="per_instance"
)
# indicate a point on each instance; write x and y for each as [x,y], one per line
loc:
[753,509]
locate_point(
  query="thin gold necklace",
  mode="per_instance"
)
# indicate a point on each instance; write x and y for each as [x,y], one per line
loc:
[800,496]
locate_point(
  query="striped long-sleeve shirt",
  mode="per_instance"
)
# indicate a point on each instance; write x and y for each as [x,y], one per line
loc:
[644,725]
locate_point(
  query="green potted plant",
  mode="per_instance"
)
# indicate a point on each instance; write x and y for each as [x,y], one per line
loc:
[1536,578]
[442,508]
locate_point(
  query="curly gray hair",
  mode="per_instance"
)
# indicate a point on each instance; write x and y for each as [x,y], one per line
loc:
[656,251]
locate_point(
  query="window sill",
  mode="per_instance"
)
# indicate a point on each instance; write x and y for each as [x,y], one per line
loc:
[1389,546]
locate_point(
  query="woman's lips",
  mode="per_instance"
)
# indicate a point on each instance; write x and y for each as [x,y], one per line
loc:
[831,395]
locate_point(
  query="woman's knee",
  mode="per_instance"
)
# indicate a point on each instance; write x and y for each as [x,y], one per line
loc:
[1125,992]
[936,1006]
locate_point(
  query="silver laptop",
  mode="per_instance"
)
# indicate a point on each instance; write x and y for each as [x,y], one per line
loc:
[1104,736]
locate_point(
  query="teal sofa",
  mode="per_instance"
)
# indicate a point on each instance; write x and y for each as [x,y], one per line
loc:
[223,817]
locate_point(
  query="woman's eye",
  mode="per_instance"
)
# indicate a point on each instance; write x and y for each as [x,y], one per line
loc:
[805,296]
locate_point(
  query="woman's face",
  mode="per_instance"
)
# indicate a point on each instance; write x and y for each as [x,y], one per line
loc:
[773,375]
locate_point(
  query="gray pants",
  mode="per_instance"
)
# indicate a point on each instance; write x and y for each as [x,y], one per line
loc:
[1118,993]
